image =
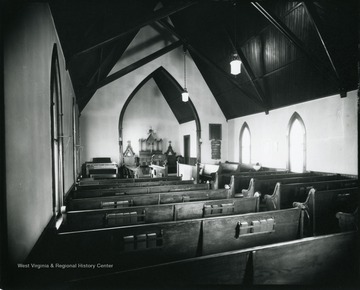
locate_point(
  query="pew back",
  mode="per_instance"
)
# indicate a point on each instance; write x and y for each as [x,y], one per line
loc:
[221,179]
[131,246]
[322,206]
[149,244]
[325,260]
[107,217]
[266,185]
[186,171]
[144,189]
[146,199]
[99,183]
[285,194]
[238,232]
[238,182]
[300,262]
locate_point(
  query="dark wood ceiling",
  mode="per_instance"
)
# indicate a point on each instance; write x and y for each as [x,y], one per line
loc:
[291,52]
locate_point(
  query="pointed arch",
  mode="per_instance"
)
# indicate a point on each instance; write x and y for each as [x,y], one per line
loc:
[296,141]
[167,77]
[57,146]
[245,144]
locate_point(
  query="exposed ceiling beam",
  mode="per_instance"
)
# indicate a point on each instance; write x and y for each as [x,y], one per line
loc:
[310,8]
[210,62]
[97,75]
[282,28]
[132,67]
[98,71]
[136,25]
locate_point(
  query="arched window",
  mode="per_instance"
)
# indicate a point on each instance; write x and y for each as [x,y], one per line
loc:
[245,144]
[57,134]
[296,144]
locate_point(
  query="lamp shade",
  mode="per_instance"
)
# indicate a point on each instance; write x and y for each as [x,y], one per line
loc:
[185,95]
[257,166]
[235,65]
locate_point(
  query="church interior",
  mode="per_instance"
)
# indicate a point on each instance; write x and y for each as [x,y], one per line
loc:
[179,144]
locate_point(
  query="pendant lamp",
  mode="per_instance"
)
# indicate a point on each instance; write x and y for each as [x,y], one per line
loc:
[235,63]
[185,94]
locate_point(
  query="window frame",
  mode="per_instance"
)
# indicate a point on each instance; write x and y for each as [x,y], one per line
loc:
[244,127]
[292,120]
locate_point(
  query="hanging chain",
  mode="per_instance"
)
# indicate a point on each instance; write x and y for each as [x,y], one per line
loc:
[185,68]
[235,24]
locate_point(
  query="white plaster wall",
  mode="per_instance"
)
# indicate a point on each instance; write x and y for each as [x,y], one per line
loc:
[138,119]
[331,134]
[99,119]
[28,45]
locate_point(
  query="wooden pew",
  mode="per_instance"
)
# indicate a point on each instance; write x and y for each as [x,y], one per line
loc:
[186,171]
[108,217]
[221,179]
[149,244]
[265,185]
[105,182]
[210,172]
[286,193]
[302,262]
[231,233]
[238,182]
[145,188]
[130,246]
[138,182]
[325,260]
[321,207]
[207,171]
[146,199]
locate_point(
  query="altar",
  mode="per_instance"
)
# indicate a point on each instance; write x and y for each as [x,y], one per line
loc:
[151,160]
[148,147]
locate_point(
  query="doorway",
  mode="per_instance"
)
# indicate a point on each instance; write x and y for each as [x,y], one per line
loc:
[187,149]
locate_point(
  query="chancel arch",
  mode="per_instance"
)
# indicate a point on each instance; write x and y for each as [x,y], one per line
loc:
[171,91]
[56,113]
[296,139]
[245,144]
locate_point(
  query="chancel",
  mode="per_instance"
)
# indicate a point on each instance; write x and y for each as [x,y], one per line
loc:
[112,178]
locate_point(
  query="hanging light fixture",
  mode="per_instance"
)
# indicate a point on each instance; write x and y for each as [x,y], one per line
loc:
[185,94]
[235,63]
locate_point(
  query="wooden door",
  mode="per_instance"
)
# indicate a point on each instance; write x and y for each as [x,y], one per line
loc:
[187,149]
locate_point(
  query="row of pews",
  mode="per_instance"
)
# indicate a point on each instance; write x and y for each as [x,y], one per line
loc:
[253,228]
